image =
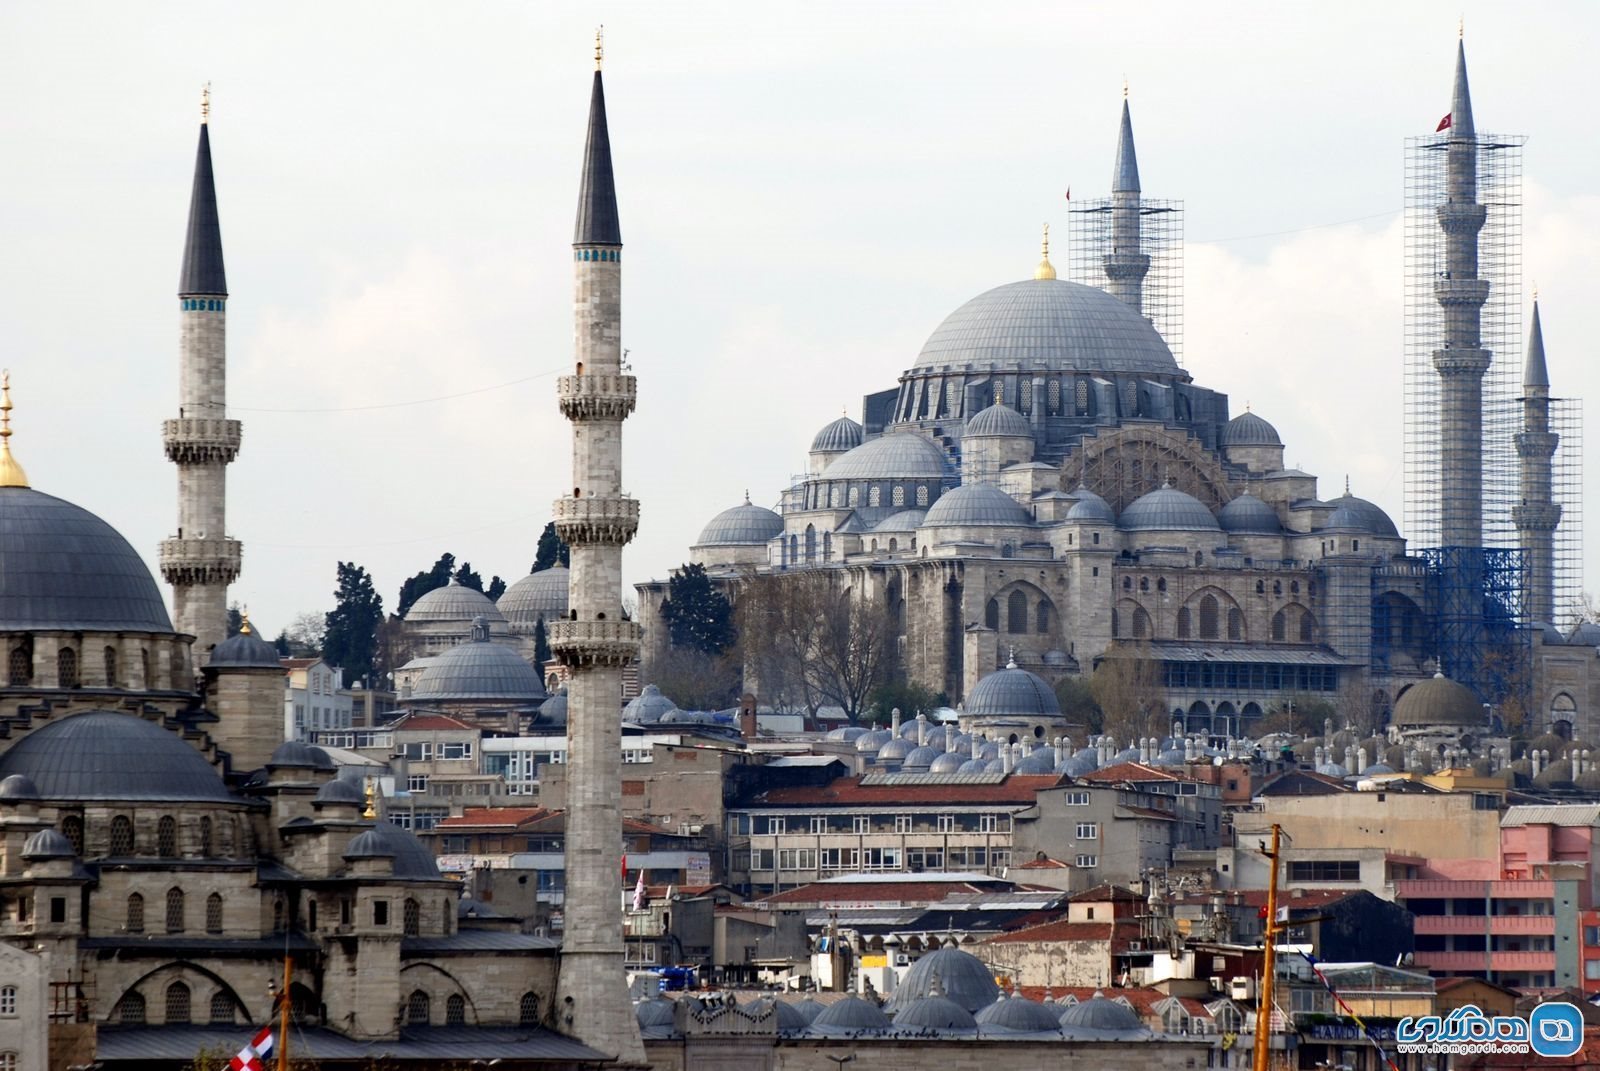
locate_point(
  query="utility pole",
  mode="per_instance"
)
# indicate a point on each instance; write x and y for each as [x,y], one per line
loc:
[1263,1050]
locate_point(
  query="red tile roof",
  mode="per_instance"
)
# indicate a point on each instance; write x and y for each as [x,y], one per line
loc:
[849,791]
[1133,771]
[493,817]
[931,891]
[1143,999]
[1042,864]
[1107,891]
[298,663]
[429,723]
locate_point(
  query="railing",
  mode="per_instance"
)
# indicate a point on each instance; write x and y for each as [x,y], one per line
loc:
[1522,961]
[610,643]
[606,519]
[597,396]
[200,439]
[200,560]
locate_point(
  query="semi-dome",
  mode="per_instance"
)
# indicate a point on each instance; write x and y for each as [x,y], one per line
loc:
[850,1014]
[1247,514]
[48,844]
[1014,693]
[744,525]
[535,596]
[1090,508]
[649,705]
[454,602]
[18,788]
[104,755]
[1019,1015]
[1049,325]
[1352,513]
[1247,429]
[339,791]
[64,569]
[907,520]
[1438,701]
[244,650]
[1167,509]
[300,753]
[999,420]
[837,436]
[385,840]
[976,504]
[479,671]
[936,1013]
[902,455]
[1098,1013]
[962,977]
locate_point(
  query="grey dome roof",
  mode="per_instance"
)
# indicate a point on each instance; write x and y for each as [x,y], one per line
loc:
[244,650]
[1587,634]
[810,1007]
[648,705]
[790,1018]
[934,1013]
[554,708]
[656,1011]
[1041,760]
[18,787]
[743,525]
[907,520]
[104,755]
[1247,513]
[963,977]
[872,740]
[999,420]
[838,436]
[386,840]
[1013,692]
[47,844]
[299,753]
[976,504]
[1098,1013]
[1020,1015]
[850,1014]
[922,756]
[1168,509]
[1247,429]
[901,455]
[340,791]
[537,595]
[454,602]
[63,568]
[1090,508]
[946,762]
[1052,325]
[1438,701]
[1363,516]
[896,749]
[479,670]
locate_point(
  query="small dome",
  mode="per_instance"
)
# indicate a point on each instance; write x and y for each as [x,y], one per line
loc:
[479,671]
[454,603]
[938,1013]
[1587,634]
[1013,692]
[1090,508]
[1558,773]
[1357,514]
[17,788]
[1020,1016]
[791,1020]
[895,750]
[810,1007]
[1247,429]
[244,650]
[948,762]
[1248,514]
[654,1016]
[900,455]
[850,1014]
[1168,509]
[998,420]
[921,757]
[385,840]
[907,520]
[1589,780]
[554,709]
[846,733]
[976,505]
[48,844]
[649,705]
[962,977]
[744,525]
[1041,760]
[870,742]
[837,437]
[105,755]
[298,753]
[1438,701]
[340,791]
[535,596]
[1098,1013]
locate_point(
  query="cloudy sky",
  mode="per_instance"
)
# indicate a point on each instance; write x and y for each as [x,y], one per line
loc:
[806,191]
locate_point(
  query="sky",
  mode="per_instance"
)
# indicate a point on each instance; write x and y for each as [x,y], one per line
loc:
[806,190]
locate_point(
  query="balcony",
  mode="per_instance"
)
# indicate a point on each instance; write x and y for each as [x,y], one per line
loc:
[1522,961]
[1448,924]
[597,396]
[1518,924]
[1453,962]
[200,561]
[606,520]
[595,643]
[192,440]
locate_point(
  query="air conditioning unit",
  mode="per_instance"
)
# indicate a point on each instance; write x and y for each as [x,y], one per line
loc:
[1135,946]
[1216,983]
[1242,988]
[902,960]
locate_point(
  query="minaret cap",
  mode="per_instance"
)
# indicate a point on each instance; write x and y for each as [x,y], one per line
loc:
[1125,177]
[1461,125]
[1045,270]
[1534,372]
[11,474]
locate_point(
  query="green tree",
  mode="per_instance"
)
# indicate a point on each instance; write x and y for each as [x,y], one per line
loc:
[235,618]
[282,644]
[908,697]
[467,578]
[698,616]
[551,550]
[497,588]
[425,581]
[1078,704]
[541,645]
[351,639]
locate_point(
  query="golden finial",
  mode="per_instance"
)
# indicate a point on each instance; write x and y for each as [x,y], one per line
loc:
[599,45]
[205,103]
[1461,27]
[371,811]
[1045,270]
[1124,87]
[11,474]
[1536,291]
[244,622]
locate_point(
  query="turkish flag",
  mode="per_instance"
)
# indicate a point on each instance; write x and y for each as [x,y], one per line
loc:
[1444,124]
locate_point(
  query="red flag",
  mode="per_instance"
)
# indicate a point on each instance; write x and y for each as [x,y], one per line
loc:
[1444,124]
[1069,193]
[624,868]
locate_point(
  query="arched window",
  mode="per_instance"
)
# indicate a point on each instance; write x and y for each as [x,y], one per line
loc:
[417,1008]
[874,496]
[455,1010]
[1141,623]
[412,918]
[205,836]
[72,829]
[8,1060]
[447,913]
[528,1010]
[1025,396]
[922,495]
[827,546]
[177,1003]
[144,666]
[1308,628]
[1183,623]
[1294,587]
[1235,623]
[1081,397]
[167,837]
[1144,583]
[135,913]
[855,497]
[121,836]
[20,668]
[214,913]
[1277,587]
[1161,583]
[174,910]
[67,668]
[129,1010]
[1116,625]
[811,542]
[277,915]
[991,614]
[1280,627]
[898,497]
[1055,396]
[221,1007]
[1261,587]
[1208,617]
[1016,612]
[111,667]
[1043,617]
[1127,583]
[8,1000]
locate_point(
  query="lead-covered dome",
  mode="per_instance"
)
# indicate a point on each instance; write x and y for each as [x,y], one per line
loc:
[1248,515]
[64,569]
[244,650]
[743,525]
[840,435]
[999,420]
[962,977]
[1099,1014]
[1168,509]
[1013,692]
[850,1014]
[976,504]
[1247,429]
[1050,325]
[1020,1015]
[541,595]
[104,755]
[454,602]
[1357,514]
[1090,508]
[1438,701]
[648,706]
[901,455]
[907,520]
[479,671]
[385,840]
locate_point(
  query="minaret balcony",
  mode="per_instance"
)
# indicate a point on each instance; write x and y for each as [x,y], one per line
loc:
[1461,219]
[1126,265]
[598,521]
[1463,360]
[200,561]
[1541,518]
[1536,443]
[597,396]
[595,643]
[1461,291]
[194,440]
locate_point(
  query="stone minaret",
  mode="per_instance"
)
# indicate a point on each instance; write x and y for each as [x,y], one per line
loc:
[1462,360]
[1537,516]
[595,642]
[201,561]
[1127,263]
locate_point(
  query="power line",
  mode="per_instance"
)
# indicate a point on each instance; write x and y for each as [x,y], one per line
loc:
[400,405]
[1297,230]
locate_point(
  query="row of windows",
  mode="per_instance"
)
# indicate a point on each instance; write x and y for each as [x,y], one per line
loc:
[929,398]
[123,843]
[1017,614]
[1261,586]
[204,305]
[612,255]
[1294,622]
[175,919]
[1249,676]
[914,860]
[900,823]
[130,1009]
[422,750]
[1325,870]
[838,496]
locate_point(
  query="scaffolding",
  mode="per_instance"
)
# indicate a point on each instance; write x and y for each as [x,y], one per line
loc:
[1499,167]
[1566,485]
[1161,239]
[1479,623]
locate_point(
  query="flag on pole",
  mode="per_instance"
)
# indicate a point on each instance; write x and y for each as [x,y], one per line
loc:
[1069,193]
[1444,124]
[638,892]
[624,868]
[250,1057]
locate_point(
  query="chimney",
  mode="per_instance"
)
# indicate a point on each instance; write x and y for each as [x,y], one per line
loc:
[922,730]
[1005,758]
[894,721]
[747,716]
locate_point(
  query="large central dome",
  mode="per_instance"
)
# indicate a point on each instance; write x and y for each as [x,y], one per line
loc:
[1050,325]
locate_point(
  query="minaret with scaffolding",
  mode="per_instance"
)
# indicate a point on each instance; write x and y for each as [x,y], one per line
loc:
[1549,513]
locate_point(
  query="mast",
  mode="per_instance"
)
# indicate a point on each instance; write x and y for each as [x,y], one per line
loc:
[283,1015]
[1263,1050]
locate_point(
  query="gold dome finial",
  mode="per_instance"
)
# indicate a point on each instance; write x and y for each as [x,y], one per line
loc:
[244,622]
[205,104]
[371,811]
[11,474]
[599,45]
[1045,270]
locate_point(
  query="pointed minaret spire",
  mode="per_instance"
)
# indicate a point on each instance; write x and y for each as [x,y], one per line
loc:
[1537,515]
[1461,97]
[1127,263]
[1125,179]
[202,272]
[1534,372]
[597,194]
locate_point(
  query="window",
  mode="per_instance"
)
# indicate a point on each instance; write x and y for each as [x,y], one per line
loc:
[177,1003]
[58,909]
[991,614]
[214,913]
[419,751]
[455,1010]
[1591,969]
[221,1007]
[947,823]
[1308,628]
[121,835]
[988,823]
[129,1010]
[459,749]
[1076,799]
[8,1000]
[416,783]
[1055,396]
[1235,624]
[874,496]
[111,667]
[1280,627]
[205,837]
[902,823]
[1141,623]
[72,829]
[167,837]
[922,496]
[1325,870]
[775,825]
[861,824]
[1043,617]
[417,1008]
[411,918]
[174,910]
[528,1010]
[20,667]
[797,859]
[67,668]
[380,912]
[1183,623]
[1208,617]
[1088,862]
[8,1061]
[135,914]
[1088,831]
[898,497]
[819,824]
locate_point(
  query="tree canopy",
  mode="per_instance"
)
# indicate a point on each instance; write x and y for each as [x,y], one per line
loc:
[351,639]
[551,551]
[425,581]
[698,616]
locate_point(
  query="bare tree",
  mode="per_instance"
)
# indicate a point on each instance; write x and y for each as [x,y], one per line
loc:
[1127,686]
